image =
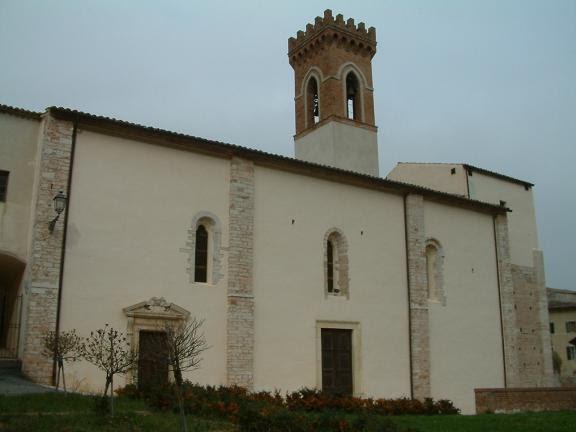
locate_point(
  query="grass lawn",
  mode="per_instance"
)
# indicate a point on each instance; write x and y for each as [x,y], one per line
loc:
[563,421]
[53,412]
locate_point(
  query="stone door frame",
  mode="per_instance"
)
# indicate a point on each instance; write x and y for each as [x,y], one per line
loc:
[155,314]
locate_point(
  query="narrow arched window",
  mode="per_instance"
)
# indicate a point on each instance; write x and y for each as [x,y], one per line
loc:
[431,257]
[330,266]
[352,97]
[335,264]
[312,102]
[201,255]
[434,271]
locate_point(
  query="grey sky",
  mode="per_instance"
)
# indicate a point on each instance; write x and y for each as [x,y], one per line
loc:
[487,82]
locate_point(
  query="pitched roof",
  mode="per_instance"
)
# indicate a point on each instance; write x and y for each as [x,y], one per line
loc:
[112,126]
[19,112]
[497,175]
[475,169]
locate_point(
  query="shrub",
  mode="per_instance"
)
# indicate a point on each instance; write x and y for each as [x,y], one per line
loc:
[278,419]
[266,408]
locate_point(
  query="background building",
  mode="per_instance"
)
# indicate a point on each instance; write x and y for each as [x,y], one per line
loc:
[562,306]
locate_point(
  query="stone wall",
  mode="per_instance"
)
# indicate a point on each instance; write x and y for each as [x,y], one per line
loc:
[525,399]
[417,286]
[43,278]
[507,302]
[530,303]
[240,316]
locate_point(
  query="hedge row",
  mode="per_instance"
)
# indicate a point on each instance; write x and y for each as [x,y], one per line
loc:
[227,401]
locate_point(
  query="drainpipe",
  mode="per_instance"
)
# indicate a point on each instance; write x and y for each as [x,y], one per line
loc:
[500,301]
[409,300]
[64,236]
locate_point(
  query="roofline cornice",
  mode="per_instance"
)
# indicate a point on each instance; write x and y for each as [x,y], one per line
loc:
[219,149]
[19,112]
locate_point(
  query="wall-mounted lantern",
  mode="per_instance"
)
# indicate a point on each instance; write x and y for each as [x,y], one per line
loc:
[59,203]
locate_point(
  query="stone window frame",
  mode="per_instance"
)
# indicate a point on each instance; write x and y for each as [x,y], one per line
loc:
[215,251]
[341,264]
[355,327]
[570,326]
[345,69]
[437,294]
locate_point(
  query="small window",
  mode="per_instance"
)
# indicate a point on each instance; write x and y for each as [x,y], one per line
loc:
[352,97]
[204,263]
[201,255]
[434,271]
[570,326]
[3,185]
[335,264]
[330,264]
[571,352]
[312,102]
[552,328]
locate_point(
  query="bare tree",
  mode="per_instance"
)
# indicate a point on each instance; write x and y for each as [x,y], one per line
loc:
[109,350]
[62,347]
[184,346]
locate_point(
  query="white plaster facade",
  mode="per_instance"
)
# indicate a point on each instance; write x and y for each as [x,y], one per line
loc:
[340,145]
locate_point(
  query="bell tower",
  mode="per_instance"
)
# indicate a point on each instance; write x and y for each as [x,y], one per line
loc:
[334,95]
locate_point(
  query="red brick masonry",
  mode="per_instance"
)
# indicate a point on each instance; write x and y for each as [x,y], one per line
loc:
[525,399]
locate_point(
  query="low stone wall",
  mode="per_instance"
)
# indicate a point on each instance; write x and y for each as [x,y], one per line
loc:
[525,399]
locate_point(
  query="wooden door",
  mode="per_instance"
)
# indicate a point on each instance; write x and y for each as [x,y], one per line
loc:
[152,359]
[337,361]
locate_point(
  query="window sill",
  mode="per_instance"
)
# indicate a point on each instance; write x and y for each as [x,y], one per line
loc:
[335,296]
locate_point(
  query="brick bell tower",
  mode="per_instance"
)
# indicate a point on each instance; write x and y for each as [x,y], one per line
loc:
[334,95]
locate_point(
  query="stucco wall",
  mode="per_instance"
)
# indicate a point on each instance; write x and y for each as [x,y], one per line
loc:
[522,227]
[18,149]
[436,176]
[293,214]
[340,145]
[131,207]
[465,334]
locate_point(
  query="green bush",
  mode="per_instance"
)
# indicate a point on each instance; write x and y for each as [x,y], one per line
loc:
[279,419]
[306,410]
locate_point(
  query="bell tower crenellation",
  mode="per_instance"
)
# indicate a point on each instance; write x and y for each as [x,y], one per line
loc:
[334,101]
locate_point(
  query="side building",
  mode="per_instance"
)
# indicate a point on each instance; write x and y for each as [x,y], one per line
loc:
[562,307]
[527,306]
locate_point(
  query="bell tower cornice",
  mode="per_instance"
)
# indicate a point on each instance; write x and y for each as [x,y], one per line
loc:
[328,30]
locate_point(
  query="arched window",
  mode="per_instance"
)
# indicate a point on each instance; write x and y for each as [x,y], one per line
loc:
[312,102]
[204,249]
[336,264]
[201,255]
[330,265]
[434,271]
[352,97]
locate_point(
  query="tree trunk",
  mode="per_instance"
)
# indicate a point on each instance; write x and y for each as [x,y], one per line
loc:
[61,366]
[112,396]
[181,405]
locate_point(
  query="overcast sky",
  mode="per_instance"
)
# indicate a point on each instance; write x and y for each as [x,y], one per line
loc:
[488,82]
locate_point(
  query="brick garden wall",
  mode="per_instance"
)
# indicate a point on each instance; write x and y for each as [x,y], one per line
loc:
[525,399]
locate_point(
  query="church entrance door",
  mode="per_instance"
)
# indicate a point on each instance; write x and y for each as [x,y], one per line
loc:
[337,361]
[152,359]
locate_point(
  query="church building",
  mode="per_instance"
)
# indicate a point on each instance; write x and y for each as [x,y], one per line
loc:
[314,271]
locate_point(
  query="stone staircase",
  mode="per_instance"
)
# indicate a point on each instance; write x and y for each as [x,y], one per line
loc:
[10,366]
